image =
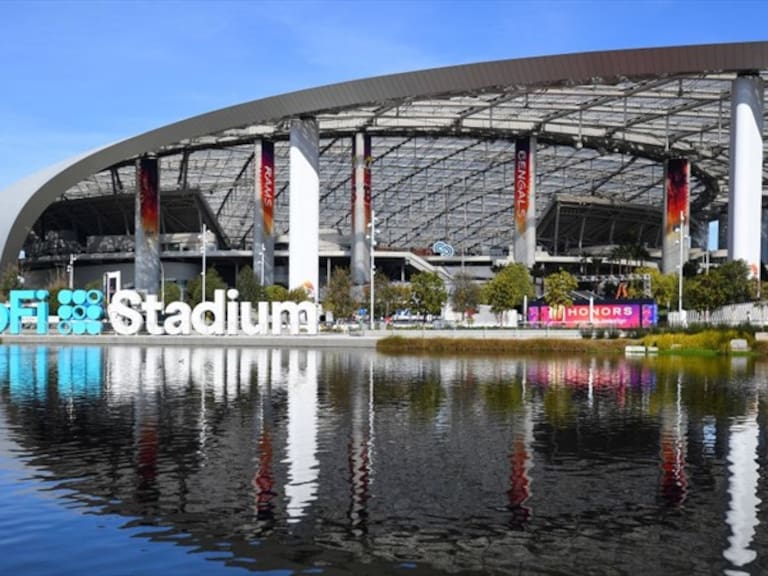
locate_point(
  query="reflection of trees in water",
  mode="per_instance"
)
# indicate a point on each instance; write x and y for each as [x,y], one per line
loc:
[425,397]
[503,397]
[558,406]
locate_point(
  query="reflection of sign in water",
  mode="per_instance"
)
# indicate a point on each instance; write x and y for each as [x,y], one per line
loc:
[78,371]
[442,248]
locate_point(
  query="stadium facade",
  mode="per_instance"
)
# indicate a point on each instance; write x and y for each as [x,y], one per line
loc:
[547,160]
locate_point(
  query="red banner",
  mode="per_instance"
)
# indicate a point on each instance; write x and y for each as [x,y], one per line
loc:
[148,196]
[522,183]
[267,177]
[367,178]
[367,159]
[678,176]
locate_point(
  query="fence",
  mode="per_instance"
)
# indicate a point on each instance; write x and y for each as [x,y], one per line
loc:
[755,313]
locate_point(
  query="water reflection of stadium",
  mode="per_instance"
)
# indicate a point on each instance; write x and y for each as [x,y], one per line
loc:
[447,462]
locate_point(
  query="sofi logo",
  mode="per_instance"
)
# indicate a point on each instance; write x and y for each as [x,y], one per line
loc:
[80,311]
[25,304]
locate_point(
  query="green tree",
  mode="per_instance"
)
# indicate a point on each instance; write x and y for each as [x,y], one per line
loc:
[508,288]
[734,281]
[276,293]
[172,292]
[664,287]
[213,282]
[54,288]
[298,295]
[704,292]
[629,255]
[466,294]
[427,293]
[726,284]
[557,291]
[338,294]
[621,254]
[9,280]
[391,296]
[249,288]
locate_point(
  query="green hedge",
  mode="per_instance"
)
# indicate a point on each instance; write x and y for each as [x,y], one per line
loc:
[714,340]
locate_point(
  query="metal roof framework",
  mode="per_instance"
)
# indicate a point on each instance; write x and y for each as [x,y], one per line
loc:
[443,142]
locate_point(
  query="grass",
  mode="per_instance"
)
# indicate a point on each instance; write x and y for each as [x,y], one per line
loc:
[710,342]
[401,344]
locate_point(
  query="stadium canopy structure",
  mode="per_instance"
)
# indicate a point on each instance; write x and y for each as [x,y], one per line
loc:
[442,155]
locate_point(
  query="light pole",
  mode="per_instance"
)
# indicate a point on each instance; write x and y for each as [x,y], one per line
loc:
[680,276]
[162,283]
[261,263]
[372,245]
[204,237]
[71,270]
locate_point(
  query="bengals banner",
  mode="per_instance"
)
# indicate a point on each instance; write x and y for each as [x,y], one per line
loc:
[525,201]
[147,224]
[676,214]
[264,212]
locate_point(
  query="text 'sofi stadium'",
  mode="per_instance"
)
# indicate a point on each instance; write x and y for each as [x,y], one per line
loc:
[546,161]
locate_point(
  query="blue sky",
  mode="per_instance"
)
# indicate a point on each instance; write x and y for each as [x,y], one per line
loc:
[81,74]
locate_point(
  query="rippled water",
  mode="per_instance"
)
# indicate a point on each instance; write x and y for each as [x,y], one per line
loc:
[129,460]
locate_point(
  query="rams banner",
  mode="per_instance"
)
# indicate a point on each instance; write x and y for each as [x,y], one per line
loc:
[267,187]
[264,211]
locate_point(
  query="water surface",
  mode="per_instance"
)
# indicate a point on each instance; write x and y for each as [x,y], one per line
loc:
[131,460]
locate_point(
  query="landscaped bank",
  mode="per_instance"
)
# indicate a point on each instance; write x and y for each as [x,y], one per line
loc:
[705,342]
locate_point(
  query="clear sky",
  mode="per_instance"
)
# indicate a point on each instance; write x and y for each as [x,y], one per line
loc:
[77,75]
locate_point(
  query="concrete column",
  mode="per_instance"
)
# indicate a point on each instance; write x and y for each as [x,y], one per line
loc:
[361,209]
[746,172]
[264,211]
[147,226]
[304,213]
[525,201]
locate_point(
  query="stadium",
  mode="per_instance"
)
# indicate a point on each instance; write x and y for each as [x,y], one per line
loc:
[295,185]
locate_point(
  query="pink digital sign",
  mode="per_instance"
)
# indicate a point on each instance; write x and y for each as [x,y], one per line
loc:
[617,314]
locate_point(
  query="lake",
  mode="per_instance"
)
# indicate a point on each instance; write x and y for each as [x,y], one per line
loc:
[135,460]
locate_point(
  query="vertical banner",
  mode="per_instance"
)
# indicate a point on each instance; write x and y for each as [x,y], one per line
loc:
[361,207]
[676,215]
[525,201]
[147,222]
[264,212]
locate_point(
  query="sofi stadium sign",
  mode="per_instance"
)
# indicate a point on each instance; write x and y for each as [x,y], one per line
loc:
[130,312]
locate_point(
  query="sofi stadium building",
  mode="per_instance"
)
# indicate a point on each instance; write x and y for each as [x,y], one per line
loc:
[550,161]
